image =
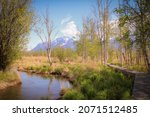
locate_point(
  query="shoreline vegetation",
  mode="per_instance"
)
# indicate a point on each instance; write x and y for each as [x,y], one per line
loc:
[8,79]
[90,81]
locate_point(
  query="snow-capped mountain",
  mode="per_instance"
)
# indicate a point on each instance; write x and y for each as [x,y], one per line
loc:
[65,42]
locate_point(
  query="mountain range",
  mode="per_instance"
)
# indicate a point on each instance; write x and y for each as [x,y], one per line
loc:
[65,42]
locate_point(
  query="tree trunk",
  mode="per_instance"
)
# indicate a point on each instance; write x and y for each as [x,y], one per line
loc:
[49,57]
[146,59]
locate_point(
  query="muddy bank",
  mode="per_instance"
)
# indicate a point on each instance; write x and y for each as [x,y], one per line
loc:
[10,83]
[4,85]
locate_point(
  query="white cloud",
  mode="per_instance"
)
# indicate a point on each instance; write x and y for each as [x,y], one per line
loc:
[65,20]
[70,30]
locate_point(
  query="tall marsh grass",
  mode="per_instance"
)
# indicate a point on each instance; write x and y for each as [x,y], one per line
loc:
[99,84]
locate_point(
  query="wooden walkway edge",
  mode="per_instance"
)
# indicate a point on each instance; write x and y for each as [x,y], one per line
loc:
[141,85]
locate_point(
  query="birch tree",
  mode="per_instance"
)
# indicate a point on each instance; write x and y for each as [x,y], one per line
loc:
[102,16]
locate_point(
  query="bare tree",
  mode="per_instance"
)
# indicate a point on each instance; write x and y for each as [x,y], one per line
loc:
[101,14]
[98,17]
[44,28]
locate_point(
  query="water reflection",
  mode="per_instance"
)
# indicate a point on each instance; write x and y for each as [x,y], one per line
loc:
[35,87]
[11,93]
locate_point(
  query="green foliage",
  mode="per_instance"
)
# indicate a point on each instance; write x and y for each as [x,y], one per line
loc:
[45,68]
[87,89]
[73,95]
[88,45]
[35,53]
[137,68]
[42,69]
[103,84]
[63,54]
[139,20]
[59,53]
[101,95]
[15,20]
[58,70]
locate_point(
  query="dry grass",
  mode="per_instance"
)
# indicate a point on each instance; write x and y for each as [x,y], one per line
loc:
[28,61]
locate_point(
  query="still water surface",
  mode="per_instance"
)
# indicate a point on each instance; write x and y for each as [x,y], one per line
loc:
[35,87]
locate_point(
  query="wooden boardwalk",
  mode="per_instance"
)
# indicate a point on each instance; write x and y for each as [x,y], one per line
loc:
[141,85]
[141,88]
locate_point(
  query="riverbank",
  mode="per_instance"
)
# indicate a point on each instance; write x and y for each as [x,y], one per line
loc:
[90,80]
[88,83]
[39,65]
[47,70]
[8,79]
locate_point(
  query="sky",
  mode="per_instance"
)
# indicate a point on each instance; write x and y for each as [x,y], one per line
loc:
[66,16]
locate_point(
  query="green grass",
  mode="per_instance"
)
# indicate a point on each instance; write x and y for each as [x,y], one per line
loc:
[141,68]
[43,68]
[135,67]
[8,76]
[73,95]
[58,70]
[99,84]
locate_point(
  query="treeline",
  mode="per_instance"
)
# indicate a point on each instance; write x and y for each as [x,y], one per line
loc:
[130,34]
[62,54]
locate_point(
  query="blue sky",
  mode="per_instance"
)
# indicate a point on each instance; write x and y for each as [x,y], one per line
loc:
[66,15]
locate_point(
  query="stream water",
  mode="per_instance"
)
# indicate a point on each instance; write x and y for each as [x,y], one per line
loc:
[35,87]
